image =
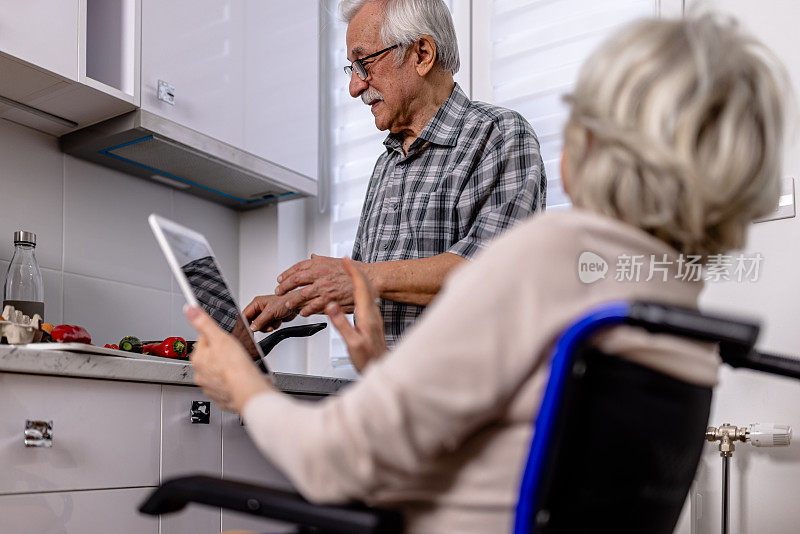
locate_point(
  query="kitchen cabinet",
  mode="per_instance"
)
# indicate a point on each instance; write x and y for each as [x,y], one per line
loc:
[197,47]
[241,460]
[42,32]
[281,86]
[78,512]
[189,446]
[120,426]
[105,434]
[68,64]
[244,72]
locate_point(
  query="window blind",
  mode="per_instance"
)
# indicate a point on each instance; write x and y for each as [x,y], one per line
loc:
[532,51]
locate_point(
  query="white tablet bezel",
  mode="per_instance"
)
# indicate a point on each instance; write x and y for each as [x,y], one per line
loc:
[158,224]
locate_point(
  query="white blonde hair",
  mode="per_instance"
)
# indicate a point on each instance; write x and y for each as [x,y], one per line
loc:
[405,21]
[677,128]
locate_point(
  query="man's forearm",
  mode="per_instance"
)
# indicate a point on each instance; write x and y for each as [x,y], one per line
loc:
[412,281]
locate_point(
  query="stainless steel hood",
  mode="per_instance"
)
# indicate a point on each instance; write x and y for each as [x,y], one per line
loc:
[151,147]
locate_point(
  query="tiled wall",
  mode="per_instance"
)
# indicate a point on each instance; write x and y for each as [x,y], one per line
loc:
[101,266]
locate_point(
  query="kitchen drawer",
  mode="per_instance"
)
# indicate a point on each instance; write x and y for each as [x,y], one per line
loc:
[105,433]
[80,512]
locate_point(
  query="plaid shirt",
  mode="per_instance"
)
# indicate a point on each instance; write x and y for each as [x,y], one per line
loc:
[474,171]
[211,292]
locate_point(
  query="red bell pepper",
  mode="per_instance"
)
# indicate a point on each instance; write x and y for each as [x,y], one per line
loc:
[65,333]
[172,347]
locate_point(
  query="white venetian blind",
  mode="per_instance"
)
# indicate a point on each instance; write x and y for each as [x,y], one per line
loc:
[526,56]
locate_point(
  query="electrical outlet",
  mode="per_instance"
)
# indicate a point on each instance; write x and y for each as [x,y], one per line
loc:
[786,203]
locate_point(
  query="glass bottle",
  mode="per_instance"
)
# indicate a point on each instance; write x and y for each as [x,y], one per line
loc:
[24,288]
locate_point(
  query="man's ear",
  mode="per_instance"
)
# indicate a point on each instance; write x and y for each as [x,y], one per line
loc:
[425,54]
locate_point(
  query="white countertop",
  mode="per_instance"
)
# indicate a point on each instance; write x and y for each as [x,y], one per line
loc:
[59,363]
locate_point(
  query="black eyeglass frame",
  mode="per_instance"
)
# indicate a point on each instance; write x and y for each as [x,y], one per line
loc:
[360,65]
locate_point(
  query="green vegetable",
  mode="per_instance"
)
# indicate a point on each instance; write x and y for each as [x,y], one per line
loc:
[131,344]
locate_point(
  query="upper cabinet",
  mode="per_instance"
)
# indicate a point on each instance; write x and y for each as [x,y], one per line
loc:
[244,72]
[228,90]
[195,49]
[42,32]
[281,89]
[109,43]
[66,64]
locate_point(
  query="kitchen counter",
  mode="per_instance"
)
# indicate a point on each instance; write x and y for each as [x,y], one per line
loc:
[62,363]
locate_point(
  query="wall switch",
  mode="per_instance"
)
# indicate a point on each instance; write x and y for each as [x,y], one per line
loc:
[786,203]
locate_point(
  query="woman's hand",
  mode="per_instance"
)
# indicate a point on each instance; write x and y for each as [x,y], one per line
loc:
[365,341]
[221,366]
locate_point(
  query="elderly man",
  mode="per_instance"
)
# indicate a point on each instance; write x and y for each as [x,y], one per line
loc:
[454,175]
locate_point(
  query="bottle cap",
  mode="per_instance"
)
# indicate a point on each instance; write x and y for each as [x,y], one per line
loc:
[21,236]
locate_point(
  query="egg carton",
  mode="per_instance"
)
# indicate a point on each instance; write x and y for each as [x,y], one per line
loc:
[17,328]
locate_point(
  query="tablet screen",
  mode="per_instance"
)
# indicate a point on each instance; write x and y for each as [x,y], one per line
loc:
[209,288]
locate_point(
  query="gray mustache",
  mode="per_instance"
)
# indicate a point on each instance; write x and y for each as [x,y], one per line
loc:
[370,95]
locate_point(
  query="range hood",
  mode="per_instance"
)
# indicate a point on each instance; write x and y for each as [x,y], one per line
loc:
[154,148]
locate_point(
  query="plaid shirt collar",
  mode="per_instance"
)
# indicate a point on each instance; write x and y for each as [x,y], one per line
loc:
[442,129]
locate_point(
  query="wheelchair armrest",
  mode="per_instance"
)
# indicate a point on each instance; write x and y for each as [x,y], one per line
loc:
[175,494]
[761,361]
[735,333]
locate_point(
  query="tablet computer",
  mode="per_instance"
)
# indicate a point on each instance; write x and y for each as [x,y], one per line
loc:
[198,274]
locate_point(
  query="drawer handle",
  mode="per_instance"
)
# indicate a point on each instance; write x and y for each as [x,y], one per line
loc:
[200,413]
[38,433]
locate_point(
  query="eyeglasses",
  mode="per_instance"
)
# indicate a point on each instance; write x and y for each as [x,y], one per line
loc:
[360,65]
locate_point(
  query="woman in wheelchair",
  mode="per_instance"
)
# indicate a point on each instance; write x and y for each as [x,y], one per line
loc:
[673,146]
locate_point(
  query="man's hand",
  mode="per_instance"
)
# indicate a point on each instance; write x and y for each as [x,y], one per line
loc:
[267,312]
[365,341]
[221,365]
[320,280]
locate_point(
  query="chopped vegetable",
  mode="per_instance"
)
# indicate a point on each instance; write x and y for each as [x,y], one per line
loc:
[172,347]
[65,333]
[47,327]
[131,344]
[111,346]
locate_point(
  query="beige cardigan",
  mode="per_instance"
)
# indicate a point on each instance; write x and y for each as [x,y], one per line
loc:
[441,426]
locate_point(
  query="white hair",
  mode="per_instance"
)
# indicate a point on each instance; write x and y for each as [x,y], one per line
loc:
[677,128]
[405,21]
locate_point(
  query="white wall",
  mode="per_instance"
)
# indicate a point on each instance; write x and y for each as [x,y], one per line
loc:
[765,483]
[102,269]
[273,239]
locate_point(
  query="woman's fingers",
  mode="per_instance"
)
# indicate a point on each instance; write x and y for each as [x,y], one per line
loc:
[340,322]
[366,310]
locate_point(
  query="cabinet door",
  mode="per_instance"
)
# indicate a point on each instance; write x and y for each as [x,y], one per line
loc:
[105,434]
[189,448]
[79,512]
[281,82]
[196,46]
[42,32]
[242,461]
